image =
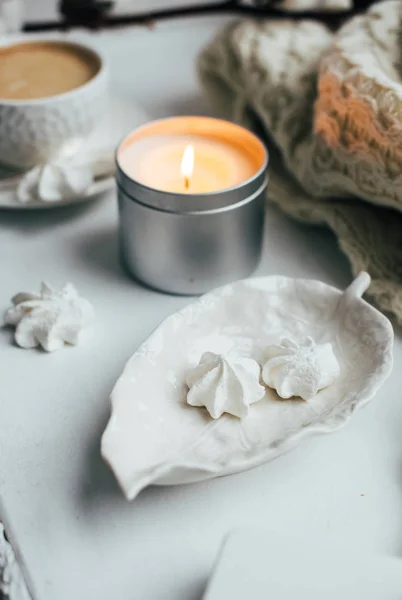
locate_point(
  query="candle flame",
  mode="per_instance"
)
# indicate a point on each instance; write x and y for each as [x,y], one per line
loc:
[187,165]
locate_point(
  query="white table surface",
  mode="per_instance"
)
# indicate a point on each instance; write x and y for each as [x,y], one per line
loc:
[254,564]
[77,536]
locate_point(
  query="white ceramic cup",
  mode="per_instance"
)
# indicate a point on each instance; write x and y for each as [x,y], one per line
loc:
[35,131]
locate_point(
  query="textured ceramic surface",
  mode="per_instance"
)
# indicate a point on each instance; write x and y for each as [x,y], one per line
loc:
[32,131]
[153,436]
[120,115]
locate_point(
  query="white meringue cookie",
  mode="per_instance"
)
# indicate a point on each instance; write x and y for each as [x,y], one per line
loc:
[55,181]
[225,384]
[300,369]
[50,318]
[65,177]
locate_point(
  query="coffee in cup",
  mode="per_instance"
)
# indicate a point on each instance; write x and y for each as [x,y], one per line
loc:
[52,95]
[42,69]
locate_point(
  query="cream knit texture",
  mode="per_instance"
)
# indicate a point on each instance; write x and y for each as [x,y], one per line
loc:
[331,107]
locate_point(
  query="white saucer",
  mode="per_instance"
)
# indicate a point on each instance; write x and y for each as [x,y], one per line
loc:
[123,115]
[169,443]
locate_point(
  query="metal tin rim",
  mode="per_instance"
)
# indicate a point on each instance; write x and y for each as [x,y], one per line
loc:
[191,203]
[222,209]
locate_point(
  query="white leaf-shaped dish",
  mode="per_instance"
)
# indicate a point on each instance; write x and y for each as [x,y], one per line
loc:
[154,436]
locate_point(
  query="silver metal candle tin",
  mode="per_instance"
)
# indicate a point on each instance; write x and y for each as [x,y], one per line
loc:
[191,243]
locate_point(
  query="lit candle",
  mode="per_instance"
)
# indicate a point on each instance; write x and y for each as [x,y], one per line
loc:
[191,200]
[222,155]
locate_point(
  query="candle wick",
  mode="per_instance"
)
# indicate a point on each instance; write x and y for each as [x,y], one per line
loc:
[186,183]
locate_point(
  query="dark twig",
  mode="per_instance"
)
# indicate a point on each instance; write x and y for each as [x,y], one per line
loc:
[92,14]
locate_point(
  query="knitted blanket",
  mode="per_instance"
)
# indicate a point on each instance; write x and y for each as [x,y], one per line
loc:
[331,107]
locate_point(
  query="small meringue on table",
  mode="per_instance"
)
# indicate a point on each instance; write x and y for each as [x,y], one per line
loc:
[50,318]
[300,369]
[225,384]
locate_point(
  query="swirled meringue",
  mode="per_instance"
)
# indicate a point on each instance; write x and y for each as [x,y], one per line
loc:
[55,181]
[225,384]
[300,369]
[64,178]
[51,318]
